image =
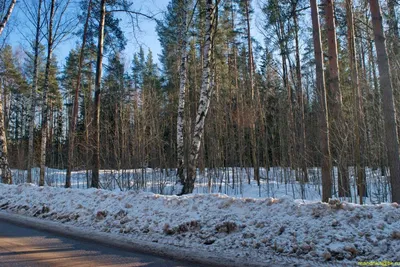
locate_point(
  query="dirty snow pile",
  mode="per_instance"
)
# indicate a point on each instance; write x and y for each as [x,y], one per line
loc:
[337,232]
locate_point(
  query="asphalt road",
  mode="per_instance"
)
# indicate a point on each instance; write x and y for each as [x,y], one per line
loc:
[21,246]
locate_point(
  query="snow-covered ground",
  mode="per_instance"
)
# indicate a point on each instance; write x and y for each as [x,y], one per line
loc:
[237,182]
[246,227]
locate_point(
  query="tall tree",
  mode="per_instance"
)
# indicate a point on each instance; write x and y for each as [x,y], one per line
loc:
[389,112]
[253,101]
[182,92]
[5,168]
[36,44]
[336,101]
[45,108]
[323,118]
[301,131]
[394,27]
[6,173]
[205,96]
[72,128]
[358,110]
[97,92]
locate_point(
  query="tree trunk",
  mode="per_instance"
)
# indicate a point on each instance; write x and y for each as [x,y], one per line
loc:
[182,95]
[337,143]
[96,115]
[393,27]
[357,97]
[205,98]
[389,112]
[324,123]
[72,128]
[300,100]
[7,16]
[4,167]
[45,108]
[33,95]
[253,140]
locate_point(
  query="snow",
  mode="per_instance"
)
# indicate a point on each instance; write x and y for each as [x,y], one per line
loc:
[237,182]
[338,232]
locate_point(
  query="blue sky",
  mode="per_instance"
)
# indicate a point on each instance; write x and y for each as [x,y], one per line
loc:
[145,35]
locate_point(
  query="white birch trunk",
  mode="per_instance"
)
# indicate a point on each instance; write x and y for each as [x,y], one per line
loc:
[7,16]
[33,95]
[182,94]
[204,103]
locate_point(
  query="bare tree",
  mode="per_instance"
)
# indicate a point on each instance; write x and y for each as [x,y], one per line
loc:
[358,111]
[205,97]
[56,32]
[336,102]
[253,94]
[182,95]
[45,94]
[324,122]
[389,112]
[96,115]
[34,89]
[72,128]
[5,168]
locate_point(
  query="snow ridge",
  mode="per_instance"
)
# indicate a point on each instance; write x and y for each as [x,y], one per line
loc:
[269,229]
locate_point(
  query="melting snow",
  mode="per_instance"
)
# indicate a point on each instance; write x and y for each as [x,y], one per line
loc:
[337,232]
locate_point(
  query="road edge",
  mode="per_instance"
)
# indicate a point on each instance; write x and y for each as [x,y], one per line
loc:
[128,244]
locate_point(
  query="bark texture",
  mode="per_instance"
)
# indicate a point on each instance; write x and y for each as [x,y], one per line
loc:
[4,166]
[6,18]
[338,146]
[358,110]
[324,123]
[34,88]
[45,107]
[389,112]
[72,128]
[182,96]
[205,98]
[96,115]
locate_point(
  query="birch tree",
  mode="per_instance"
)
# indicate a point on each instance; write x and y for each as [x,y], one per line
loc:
[7,16]
[34,88]
[205,97]
[5,168]
[182,93]
[57,30]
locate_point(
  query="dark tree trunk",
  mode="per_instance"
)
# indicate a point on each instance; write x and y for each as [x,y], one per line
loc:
[45,107]
[96,115]
[72,128]
[324,123]
[389,112]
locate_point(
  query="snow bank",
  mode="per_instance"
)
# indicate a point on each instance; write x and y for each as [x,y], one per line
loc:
[245,227]
[232,181]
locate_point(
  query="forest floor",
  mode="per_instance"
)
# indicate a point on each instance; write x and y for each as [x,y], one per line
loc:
[277,182]
[308,231]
